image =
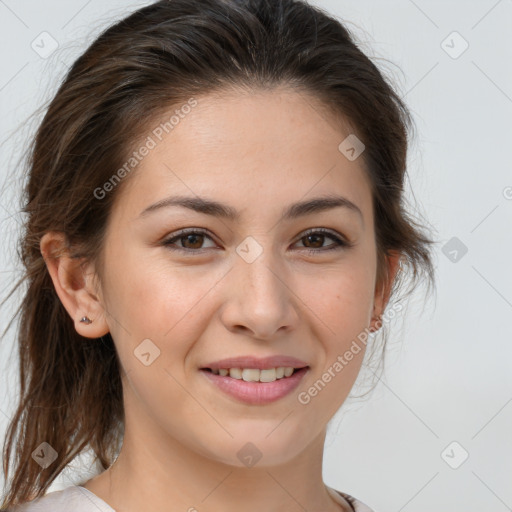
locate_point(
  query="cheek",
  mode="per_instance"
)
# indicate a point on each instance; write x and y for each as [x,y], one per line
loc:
[342,303]
[341,298]
[154,299]
[342,307]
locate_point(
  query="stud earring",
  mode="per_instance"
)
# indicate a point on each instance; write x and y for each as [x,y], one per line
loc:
[86,320]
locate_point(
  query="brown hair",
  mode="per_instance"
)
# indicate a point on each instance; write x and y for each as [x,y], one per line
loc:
[159,56]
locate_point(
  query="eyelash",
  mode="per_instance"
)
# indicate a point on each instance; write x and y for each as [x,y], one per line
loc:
[339,242]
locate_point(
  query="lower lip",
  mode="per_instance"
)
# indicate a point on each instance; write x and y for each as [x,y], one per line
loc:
[256,393]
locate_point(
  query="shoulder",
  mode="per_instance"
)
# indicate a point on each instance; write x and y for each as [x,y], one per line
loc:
[74,498]
[357,506]
[82,500]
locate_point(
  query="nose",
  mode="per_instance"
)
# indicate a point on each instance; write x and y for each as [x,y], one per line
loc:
[259,298]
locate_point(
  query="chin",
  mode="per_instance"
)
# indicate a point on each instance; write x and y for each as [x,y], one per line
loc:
[254,449]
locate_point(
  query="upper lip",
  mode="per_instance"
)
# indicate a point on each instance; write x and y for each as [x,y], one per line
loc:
[263,363]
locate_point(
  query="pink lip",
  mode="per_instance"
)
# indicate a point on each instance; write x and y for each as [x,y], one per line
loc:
[256,393]
[264,363]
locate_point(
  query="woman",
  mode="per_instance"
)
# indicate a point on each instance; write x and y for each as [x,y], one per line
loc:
[215,229]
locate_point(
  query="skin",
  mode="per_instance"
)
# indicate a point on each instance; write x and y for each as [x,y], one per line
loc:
[258,153]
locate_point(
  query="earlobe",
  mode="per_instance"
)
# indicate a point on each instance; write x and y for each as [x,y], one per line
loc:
[73,285]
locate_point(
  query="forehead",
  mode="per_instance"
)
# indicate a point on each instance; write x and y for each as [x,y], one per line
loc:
[250,150]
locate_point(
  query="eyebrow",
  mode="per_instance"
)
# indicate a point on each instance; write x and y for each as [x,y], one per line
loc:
[216,209]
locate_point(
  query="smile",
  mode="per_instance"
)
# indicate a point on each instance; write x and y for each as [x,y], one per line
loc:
[254,386]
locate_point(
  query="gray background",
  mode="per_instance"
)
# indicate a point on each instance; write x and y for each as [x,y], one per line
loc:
[448,375]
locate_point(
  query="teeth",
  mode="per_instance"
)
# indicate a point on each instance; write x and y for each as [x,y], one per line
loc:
[267,375]
[236,373]
[251,375]
[255,375]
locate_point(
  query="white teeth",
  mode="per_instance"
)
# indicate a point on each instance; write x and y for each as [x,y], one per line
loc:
[250,375]
[255,375]
[268,375]
[236,373]
[288,371]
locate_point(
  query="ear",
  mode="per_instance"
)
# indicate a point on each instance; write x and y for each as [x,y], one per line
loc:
[382,292]
[74,283]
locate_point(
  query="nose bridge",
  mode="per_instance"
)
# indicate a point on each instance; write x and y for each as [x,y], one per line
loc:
[258,297]
[257,269]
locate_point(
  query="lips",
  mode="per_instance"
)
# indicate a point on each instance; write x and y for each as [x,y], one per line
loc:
[256,393]
[240,382]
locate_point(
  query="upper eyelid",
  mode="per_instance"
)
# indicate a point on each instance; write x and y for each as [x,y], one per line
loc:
[326,232]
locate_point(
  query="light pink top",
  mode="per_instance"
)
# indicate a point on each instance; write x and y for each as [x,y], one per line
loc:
[80,499]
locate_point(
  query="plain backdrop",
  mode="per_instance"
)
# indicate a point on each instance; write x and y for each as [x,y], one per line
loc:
[436,432]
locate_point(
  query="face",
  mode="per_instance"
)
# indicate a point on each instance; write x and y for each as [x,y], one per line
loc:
[256,284]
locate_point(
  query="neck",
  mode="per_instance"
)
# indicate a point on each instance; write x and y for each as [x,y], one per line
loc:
[156,472]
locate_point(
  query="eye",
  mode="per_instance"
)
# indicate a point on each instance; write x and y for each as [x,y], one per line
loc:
[192,239]
[316,237]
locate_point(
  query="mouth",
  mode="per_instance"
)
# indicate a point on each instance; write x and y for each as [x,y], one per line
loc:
[253,386]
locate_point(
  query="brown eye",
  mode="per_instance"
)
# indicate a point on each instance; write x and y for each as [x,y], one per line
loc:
[196,240]
[191,241]
[316,240]
[313,241]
